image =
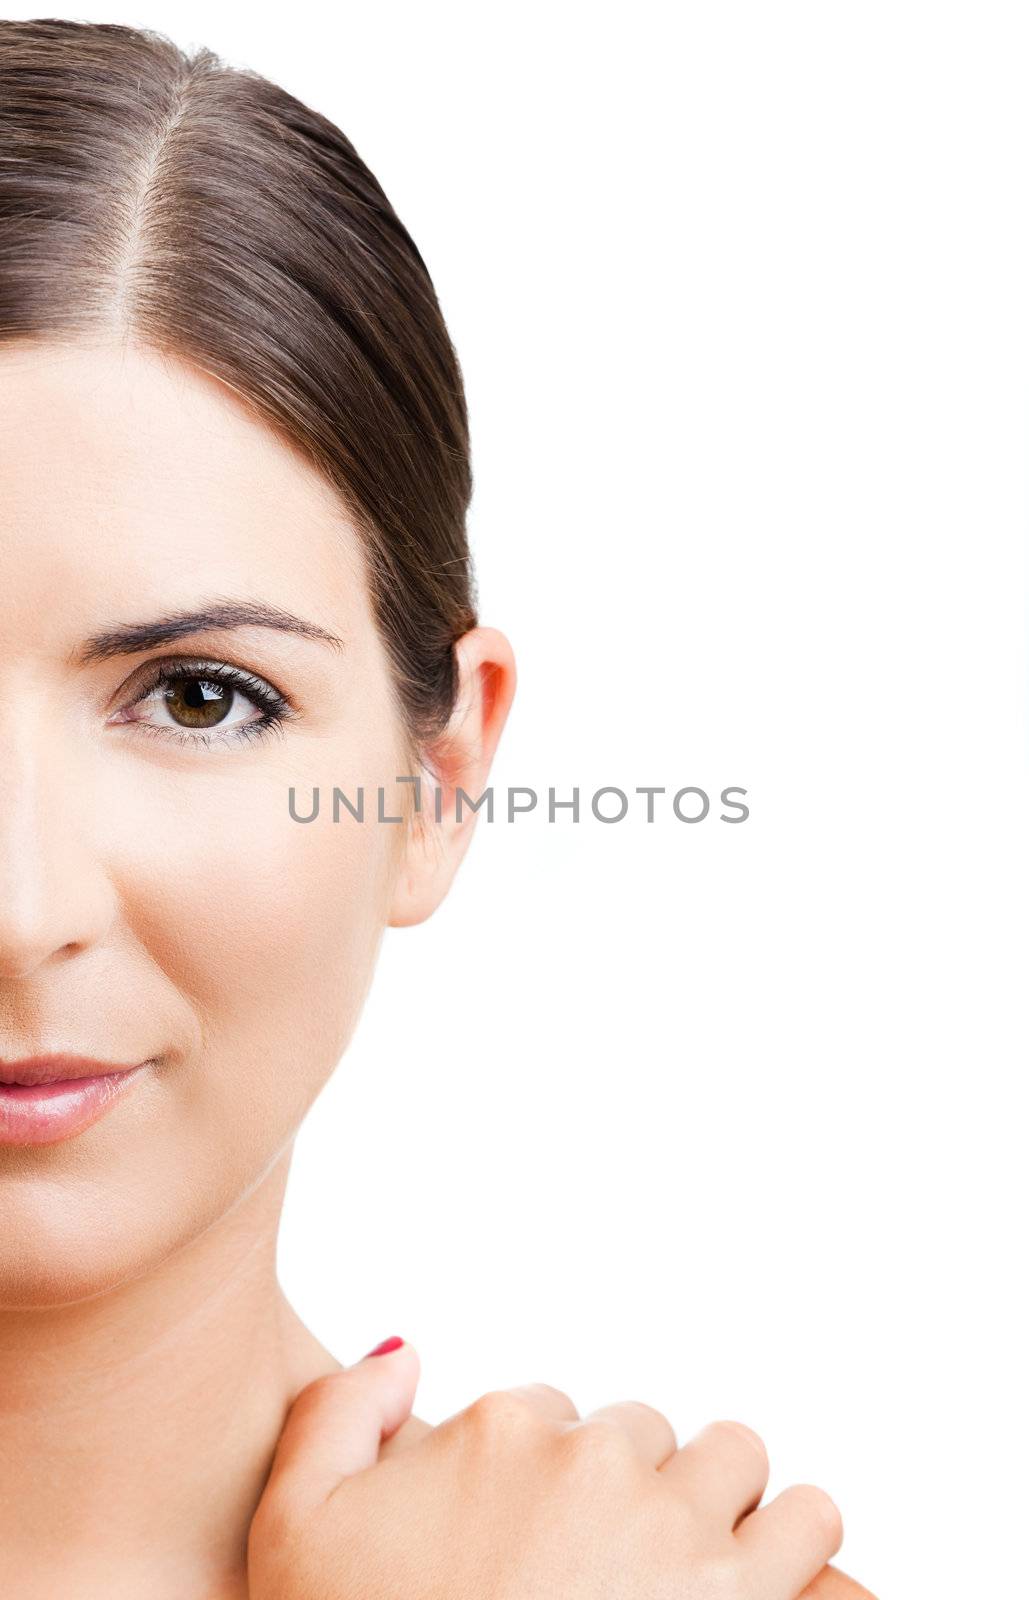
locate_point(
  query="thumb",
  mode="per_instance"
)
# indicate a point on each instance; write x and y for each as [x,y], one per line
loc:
[336,1424]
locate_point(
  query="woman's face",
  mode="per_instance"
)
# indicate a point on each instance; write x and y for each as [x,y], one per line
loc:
[158,902]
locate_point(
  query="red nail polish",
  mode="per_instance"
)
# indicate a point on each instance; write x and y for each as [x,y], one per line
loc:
[385,1347]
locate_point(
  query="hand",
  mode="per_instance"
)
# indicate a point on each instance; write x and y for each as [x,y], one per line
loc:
[518,1495]
[830,1584]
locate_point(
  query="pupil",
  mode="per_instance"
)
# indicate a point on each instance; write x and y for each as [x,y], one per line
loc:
[199,704]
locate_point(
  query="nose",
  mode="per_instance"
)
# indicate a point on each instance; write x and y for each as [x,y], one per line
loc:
[56,897]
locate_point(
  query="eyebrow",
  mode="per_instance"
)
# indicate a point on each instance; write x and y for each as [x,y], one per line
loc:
[209,618]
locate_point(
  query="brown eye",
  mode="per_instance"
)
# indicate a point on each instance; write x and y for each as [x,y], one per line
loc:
[205,704]
[198,703]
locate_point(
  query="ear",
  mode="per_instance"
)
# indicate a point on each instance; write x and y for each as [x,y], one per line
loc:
[461,759]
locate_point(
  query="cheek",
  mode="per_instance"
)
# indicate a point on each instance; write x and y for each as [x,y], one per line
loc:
[242,951]
[245,945]
[267,930]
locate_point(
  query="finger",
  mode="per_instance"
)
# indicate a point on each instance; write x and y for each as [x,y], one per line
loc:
[408,1434]
[650,1431]
[831,1584]
[789,1541]
[722,1473]
[551,1402]
[336,1425]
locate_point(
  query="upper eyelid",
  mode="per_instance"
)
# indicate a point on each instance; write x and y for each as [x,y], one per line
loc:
[275,710]
[150,672]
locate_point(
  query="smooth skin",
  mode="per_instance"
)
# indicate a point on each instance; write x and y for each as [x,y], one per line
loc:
[518,1495]
[159,904]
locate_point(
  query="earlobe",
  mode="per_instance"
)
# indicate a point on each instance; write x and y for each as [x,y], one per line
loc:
[460,759]
[424,874]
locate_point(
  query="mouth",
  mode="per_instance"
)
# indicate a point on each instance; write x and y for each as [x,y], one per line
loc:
[44,1099]
[31,1070]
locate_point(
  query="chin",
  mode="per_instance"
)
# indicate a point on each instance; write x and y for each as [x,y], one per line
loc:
[67,1239]
[32,1279]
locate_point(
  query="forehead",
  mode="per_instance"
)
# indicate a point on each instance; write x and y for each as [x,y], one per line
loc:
[127,472]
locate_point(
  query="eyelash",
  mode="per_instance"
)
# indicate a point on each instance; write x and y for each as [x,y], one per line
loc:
[275,709]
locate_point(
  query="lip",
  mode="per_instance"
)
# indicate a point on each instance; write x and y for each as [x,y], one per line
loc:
[58,1068]
[48,1098]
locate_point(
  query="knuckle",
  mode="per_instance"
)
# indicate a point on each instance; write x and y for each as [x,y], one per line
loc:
[645,1409]
[822,1509]
[734,1430]
[599,1446]
[500,1412]
[548,1389]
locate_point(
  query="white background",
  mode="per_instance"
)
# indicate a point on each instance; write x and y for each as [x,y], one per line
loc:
[725,1118]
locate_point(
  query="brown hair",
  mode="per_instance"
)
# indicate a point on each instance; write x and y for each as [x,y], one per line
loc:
[207,213]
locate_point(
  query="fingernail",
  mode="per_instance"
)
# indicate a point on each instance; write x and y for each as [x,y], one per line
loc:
[385,1347]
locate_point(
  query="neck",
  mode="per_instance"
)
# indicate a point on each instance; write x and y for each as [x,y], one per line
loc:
[137,1427]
